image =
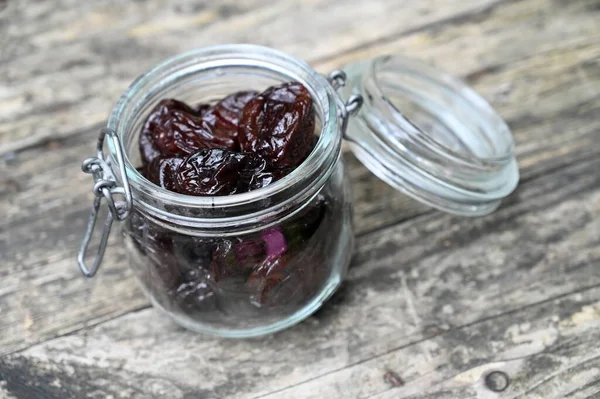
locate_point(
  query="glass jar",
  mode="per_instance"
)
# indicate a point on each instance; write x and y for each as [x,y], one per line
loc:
[255,263]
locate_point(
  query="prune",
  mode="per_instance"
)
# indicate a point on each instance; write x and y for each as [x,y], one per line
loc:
[149,237]
[163,269]
[202,108]
[225,115]
[255,174]
[249,251]
[279,125]
[161,171]
[224,263]
[293,274]
[182,133]
[157,245]
[271,271]
[210,172]
[291,266]
[237,257]
[163,109]
[221,172]
[193,252]
[275,242]
[305,223]
[193,292]
[265,278]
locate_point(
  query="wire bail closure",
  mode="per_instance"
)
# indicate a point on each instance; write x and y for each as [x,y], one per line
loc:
[105,186]
[337,79]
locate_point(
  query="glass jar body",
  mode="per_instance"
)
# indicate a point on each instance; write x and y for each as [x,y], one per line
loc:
[252,283]
[251,263]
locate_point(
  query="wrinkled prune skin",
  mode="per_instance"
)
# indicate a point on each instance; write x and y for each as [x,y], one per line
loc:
[173,128]
[194,252]
[183,133]
[255,174]
[193,292]
[210,172]
[221,172]
[202,108]
[162,171]
[279,125]
[158,116]
[157,245]
[224,117]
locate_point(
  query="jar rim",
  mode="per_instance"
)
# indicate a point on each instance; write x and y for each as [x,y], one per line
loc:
[313,172]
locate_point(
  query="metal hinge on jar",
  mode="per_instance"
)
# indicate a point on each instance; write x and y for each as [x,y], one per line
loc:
[338,79]
[105,186]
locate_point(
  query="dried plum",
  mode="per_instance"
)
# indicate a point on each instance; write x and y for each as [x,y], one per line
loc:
[210,172]
[279,125]
[255,174]
[194,292]
[182,133]
[161,171]
[158,116]
[220,172]
[225,115]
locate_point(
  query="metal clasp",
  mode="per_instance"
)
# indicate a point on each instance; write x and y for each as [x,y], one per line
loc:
[105,186]
[338,79]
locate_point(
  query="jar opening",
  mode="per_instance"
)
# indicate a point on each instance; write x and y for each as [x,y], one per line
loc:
[205,75]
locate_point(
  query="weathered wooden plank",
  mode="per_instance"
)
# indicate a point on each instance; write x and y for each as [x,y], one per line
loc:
[569,66]
[86,53]
[532,78]
[544,351]
[439,300]
[553,111]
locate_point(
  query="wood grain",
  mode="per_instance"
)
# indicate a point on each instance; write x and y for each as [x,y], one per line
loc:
[84,54]
[528,305]
[438,301]
[42,294]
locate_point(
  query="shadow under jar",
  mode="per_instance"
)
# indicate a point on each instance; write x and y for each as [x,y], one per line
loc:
[255,263]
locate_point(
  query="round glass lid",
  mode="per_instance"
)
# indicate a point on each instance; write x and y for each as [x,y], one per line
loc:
[427,134]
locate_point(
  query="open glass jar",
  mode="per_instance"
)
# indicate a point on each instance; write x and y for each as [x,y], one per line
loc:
[255,263]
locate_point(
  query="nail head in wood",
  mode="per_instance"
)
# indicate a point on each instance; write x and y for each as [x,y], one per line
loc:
[497,381]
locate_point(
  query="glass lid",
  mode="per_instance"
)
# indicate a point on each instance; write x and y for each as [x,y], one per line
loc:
[427,134]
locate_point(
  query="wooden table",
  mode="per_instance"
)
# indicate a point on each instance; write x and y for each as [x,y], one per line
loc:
[434,304]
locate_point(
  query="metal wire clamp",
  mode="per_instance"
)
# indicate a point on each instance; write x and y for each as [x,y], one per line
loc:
[337,79]
[105,186]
